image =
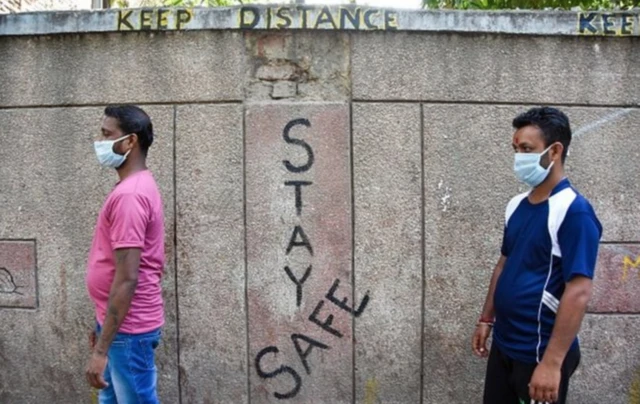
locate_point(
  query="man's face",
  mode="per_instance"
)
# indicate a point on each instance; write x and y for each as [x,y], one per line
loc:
[529,139]
[111,131]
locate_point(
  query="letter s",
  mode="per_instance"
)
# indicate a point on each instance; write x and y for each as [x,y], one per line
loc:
[281,369]
[288,139]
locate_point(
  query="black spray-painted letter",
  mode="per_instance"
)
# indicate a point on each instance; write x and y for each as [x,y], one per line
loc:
[343,303]
[303,354]
[298,282]
[298,185]
[281,369]
[327,323]
[299,142]
[293,242]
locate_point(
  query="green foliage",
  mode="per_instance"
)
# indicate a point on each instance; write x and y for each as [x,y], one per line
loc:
[199,3]
[119,3]
[175,3]
[530,4]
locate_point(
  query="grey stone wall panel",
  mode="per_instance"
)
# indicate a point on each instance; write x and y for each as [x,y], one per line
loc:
[211,275]
[276,317]
[616,282]
[121,68]
[388,254]
[608,371]
[602,161]
[495,68]
[466,191]
[468,182]
[52,189]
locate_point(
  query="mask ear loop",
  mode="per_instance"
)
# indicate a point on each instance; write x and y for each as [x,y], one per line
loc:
[545,151]
[121,139]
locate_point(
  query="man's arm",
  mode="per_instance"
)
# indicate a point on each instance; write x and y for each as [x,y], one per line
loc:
[571,311]
[488,308]
[481,334]
[573,305]
[122,291]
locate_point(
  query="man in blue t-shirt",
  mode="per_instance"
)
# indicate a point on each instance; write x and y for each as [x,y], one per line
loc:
[542,283]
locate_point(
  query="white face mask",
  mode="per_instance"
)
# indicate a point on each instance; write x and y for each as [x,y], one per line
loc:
[528,169]
[106,156]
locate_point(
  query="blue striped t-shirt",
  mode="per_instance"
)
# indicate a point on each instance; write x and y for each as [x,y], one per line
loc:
[545,246]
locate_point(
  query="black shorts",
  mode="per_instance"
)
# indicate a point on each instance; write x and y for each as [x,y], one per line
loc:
[507,380]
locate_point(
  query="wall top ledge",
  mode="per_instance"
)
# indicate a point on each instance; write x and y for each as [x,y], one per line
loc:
[337,18]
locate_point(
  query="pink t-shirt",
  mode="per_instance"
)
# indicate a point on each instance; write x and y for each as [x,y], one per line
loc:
[131,217]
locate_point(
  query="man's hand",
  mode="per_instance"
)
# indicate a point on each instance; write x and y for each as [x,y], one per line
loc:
[545,383]
[95,370]
[479,341]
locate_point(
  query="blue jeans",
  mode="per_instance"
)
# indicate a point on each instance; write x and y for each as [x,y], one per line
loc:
[131,370]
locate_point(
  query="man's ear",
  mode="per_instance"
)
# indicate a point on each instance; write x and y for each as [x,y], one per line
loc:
[132,141]
[557,149]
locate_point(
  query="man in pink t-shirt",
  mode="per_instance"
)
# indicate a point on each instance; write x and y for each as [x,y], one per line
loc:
[126,264]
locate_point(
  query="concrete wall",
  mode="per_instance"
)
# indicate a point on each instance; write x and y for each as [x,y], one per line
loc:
[365,288]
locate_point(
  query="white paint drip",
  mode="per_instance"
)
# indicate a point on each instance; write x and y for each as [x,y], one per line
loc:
[444,201]
[604,120]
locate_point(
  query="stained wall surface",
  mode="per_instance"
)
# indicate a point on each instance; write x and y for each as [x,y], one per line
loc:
[334,197]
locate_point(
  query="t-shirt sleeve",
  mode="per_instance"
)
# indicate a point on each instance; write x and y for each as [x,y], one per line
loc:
[579,238]
[503,249]
[129,217]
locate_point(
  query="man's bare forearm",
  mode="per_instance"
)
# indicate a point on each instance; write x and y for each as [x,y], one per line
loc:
[488,308]
[573,306]
[122,291]
[119,302]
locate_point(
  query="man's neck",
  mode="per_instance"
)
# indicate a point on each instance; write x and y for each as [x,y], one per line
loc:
[543,191]
[131,167]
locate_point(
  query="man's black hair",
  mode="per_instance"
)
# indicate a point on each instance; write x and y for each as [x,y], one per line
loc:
[553,124]
[132,119]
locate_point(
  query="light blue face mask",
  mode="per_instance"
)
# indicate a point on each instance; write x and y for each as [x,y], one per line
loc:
[106,156]
[528,169]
